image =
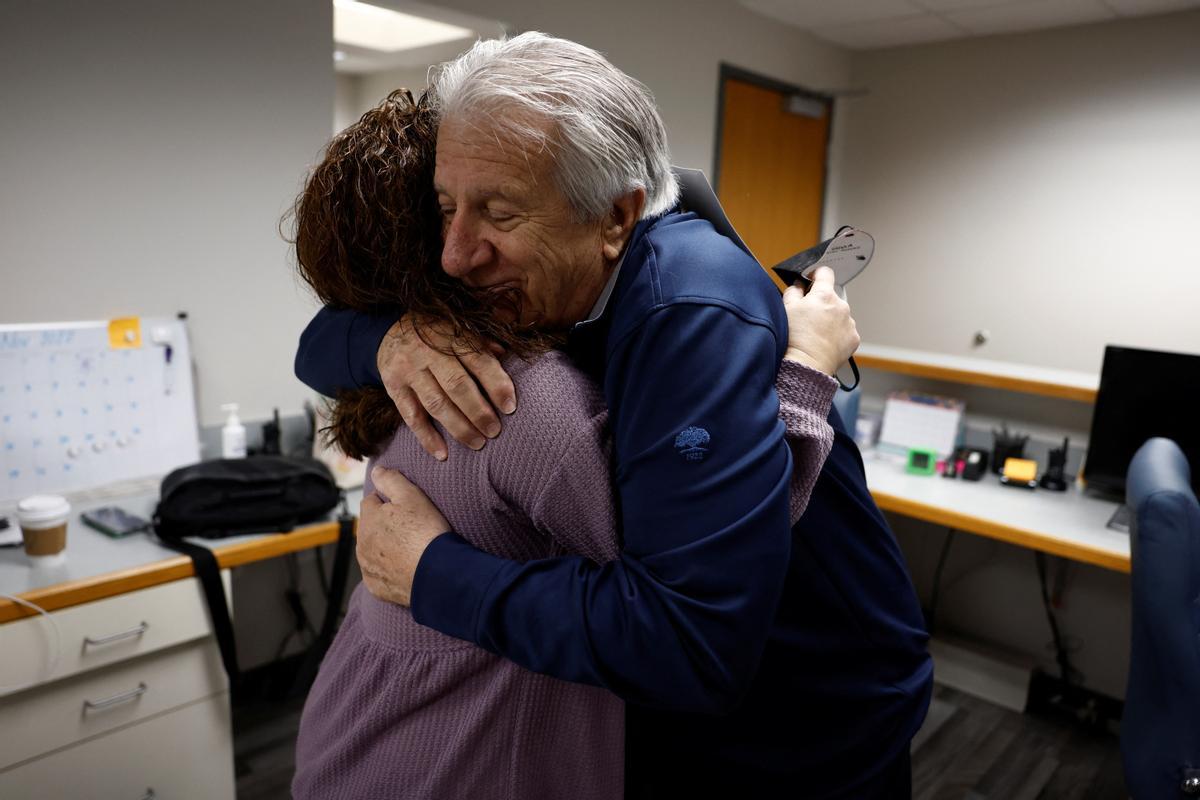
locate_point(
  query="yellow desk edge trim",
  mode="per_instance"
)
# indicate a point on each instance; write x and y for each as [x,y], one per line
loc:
[1004,533]
[99,587]
[974,378]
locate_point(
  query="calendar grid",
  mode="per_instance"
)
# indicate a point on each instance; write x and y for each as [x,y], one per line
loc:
[77,413]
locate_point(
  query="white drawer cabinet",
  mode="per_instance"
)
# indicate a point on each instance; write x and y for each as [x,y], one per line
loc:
[103,632]
[137,706]
[183,754]
[65,712]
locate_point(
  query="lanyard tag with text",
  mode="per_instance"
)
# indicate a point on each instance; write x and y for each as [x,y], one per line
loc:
[847,254]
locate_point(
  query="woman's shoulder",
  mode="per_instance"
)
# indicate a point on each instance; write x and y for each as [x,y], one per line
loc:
[552,460]
[560,411]
[551,384]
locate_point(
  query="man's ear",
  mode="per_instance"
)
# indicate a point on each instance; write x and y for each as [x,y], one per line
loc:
[619,222]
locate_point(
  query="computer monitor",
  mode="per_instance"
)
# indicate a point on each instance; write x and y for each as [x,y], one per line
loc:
[1143,393]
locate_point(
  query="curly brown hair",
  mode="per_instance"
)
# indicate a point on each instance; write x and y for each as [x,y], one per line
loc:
[367,233]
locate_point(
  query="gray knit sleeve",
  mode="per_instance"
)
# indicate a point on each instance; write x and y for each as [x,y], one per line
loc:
[804,398]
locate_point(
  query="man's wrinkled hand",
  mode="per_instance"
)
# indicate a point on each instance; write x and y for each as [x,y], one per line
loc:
[821,332]
[425,382]
[393,532]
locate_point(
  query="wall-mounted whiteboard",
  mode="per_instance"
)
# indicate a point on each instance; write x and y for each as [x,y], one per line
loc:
[82,407]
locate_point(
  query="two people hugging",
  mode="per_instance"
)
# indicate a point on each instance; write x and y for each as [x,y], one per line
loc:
[643,562]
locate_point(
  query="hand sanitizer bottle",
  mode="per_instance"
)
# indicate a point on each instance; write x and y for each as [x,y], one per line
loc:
[233,435]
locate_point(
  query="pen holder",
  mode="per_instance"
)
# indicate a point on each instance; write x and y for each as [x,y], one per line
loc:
[1004,447]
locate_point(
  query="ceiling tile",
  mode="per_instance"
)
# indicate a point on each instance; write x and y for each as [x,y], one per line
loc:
[1030,15]
[1135,8]
[808,14]
[958,5]
[867,24]
[915,29]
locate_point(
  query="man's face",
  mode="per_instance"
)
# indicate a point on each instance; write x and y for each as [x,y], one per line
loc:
[506,224]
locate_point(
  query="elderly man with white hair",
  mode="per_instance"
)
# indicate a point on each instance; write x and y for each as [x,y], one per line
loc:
[755,658]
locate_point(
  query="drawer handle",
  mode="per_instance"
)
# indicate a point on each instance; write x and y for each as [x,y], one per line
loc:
[116,637]
[116,699]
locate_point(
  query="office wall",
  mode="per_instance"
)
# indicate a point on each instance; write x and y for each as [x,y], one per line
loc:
[148,150]
[355,93]
[345,101]
[374,86]
[675,47]
[990,598]
[1040,186]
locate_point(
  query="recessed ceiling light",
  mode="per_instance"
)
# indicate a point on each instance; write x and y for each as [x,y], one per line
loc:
[339,55]
[375,28]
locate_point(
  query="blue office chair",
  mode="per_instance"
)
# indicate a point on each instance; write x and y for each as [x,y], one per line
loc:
[1160,732]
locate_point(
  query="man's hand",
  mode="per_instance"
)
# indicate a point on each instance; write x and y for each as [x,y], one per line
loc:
[821,332]
[393,535]
[424,382]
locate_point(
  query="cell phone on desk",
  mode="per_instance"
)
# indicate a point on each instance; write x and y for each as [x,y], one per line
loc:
[114,522]
[10,533]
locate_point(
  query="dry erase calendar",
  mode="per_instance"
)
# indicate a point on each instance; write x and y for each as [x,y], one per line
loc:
[928,422]
[85,404]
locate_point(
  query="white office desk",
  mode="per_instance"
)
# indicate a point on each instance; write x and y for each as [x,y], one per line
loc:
[98,566]
[137,679]
[1068,524]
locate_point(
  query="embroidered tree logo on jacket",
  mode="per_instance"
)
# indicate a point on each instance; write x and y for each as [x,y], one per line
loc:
[692,443]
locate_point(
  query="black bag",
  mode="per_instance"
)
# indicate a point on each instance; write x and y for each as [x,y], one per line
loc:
[234,496]
[261,494]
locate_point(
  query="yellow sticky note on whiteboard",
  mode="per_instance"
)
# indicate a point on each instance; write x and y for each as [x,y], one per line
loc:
[125,333]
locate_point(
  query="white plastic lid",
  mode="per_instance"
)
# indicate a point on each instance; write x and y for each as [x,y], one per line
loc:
[43,511]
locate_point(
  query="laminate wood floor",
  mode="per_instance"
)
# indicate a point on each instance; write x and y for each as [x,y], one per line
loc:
[969,749]
[264,749]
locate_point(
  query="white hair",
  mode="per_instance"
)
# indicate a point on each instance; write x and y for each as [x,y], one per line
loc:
[607,137]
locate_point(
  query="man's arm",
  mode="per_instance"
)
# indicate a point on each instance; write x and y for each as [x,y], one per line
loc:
[342,349]
[337,350]
[821,336]
[681,619]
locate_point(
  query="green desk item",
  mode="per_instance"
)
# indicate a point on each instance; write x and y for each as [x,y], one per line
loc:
[921,462]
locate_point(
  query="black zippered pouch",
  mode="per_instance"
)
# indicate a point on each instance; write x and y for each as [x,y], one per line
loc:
[261,494]
[230,497]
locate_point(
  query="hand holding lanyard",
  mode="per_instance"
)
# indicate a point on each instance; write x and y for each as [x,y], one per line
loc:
[847,254]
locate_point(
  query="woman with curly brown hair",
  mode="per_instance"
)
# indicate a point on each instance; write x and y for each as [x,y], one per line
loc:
[400,710]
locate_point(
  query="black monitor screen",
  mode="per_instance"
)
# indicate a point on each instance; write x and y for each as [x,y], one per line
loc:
[1143,393]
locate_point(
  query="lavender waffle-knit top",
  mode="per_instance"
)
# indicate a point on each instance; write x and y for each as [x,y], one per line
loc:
[399,710]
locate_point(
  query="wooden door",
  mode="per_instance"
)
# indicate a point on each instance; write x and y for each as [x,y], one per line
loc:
[771,177]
